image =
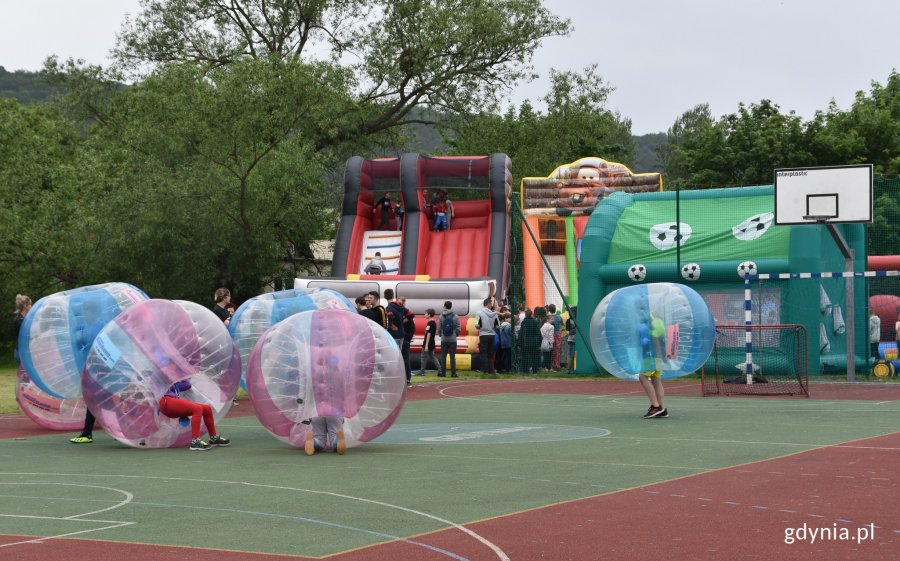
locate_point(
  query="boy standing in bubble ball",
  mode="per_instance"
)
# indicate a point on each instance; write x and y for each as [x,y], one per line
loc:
[653,349]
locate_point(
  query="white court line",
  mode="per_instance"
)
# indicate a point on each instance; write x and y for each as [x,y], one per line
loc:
[493,547]
[499,552]
[113,525]
[128,496]
[75,517]
[734,404]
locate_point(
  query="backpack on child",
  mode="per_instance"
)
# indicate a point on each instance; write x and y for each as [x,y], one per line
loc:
[409,327]
[447,327]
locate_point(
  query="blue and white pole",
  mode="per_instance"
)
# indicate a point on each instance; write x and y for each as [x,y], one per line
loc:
[748,318]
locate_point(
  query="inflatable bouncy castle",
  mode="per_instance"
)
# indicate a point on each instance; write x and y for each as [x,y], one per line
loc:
[632,238]
[465,263]
[557,209]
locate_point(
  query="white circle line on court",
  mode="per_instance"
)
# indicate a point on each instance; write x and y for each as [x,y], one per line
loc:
[128,496]
[493,547]
[229,510]
[75,517]
[490,545]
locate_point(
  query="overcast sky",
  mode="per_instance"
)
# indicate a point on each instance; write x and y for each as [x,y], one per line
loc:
[662,56]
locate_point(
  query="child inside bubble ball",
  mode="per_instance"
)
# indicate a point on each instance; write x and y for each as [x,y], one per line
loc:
[174,406]
[326,434]
[653,349]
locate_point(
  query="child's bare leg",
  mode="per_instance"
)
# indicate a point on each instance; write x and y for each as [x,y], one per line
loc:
[650,390]
[660,393]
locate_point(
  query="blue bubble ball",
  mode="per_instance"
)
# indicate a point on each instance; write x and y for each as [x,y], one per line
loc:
[58,332]
[659,326]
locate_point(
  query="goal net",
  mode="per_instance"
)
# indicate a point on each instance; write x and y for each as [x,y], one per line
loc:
[780,361]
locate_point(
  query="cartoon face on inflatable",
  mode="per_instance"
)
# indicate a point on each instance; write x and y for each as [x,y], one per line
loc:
[326,363]
[659,326]
[59,330]
[141,353]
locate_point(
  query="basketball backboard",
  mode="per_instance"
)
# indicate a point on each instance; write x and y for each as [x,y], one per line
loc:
[821,195]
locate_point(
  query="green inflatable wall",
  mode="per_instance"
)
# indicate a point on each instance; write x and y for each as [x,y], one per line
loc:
[727,226]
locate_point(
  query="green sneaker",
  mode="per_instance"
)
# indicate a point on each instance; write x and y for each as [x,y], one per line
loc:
[198,444]
[81,440]
[218,441]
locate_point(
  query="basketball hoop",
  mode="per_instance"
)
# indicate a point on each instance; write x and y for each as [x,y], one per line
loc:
[819,218]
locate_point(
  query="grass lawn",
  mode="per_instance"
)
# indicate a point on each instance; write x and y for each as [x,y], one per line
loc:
[8,391]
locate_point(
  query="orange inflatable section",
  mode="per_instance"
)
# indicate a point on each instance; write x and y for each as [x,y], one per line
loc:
[533,267]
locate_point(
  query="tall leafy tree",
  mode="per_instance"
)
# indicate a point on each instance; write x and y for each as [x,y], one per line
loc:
[216,158]
[453,55]
[741,148]
[210,175]
[576,124]
[44,245]
[868,133]
[744,147]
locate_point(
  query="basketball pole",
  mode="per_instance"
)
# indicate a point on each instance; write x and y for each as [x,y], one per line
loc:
[833,194]
[850,306]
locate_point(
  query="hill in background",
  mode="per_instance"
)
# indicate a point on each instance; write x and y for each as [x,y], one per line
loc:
[27,87]
[30,87]
[645,157]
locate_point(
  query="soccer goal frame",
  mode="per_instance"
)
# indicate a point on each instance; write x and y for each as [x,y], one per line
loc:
[781,361]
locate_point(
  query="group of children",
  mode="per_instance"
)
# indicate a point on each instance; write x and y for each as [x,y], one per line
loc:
[438,206]
[326,433]
[540,336]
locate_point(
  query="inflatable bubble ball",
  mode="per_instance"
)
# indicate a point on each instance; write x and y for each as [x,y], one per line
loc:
[257,314]
[58,332]
[139,355]
[45,410]
[326,363]
[658,326]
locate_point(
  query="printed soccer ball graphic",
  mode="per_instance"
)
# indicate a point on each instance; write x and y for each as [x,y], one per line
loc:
[666,235]
[753,227]
[746,268]
[637,272]
[690,272]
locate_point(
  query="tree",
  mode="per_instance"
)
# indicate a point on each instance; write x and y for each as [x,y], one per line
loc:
[209,175]
[691,146]
[742,148]
[745,147]
[577,124]
[44,245]
[868,133]
[216,158]
[453,55]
